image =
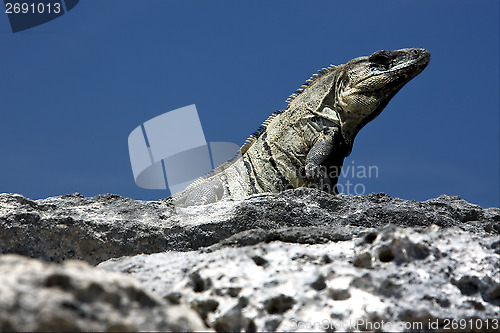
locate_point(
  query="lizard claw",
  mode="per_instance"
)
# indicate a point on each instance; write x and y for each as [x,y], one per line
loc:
[319,175]
[314,171]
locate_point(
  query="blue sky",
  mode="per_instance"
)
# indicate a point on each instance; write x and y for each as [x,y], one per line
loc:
[74,88]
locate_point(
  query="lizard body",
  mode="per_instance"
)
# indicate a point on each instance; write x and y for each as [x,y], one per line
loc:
[305,144]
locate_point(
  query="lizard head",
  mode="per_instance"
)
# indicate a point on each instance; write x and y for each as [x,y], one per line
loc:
[365,85]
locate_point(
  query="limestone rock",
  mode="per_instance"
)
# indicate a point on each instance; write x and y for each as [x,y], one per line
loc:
[301,260]
[108,226]
[409,276]
[73,296]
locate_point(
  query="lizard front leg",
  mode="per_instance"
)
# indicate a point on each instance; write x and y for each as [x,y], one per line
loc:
[316,169]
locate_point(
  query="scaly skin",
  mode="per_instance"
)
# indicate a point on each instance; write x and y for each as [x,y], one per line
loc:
[305,144]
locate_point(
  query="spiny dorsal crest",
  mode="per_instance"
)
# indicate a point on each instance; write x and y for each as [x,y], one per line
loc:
[248,143]
[310,81]
[244,148]
[251,140]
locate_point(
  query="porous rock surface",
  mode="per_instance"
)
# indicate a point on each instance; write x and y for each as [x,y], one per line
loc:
[297,260]
[108,226]
[74,297]
[393,275]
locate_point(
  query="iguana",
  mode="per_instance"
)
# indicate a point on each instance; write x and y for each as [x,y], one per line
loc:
[305,144]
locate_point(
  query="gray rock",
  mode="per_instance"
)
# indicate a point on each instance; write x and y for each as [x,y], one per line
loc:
[297,260]
[73,296]
[415,276]
[107,226]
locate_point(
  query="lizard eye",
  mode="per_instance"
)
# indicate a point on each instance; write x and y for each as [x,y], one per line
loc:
[382,58]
